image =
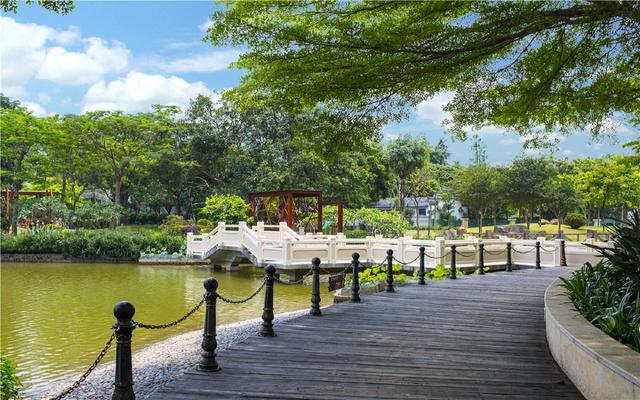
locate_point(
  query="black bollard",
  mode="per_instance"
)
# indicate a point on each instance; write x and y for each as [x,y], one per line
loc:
[267,314]
[452,271]
[421,271]
[537,255]
[389,272]
[123,312]
[355,280]
[563,255]
[315,288]
[208,362]
[481,260]
[509,257]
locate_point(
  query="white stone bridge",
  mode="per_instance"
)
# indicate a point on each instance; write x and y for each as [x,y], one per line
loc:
[229,246]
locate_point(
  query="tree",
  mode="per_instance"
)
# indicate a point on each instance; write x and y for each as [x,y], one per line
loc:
[525,184]
[58,6]
[531,67]
[421,184]
[475,188]
[478,151]
[406,155]
[121,141]
[440,154]
[22,132]
[561,197]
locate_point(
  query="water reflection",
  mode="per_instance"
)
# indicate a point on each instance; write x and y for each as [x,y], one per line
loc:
[57,317]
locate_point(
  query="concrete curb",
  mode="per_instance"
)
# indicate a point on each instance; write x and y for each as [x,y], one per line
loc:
[598,365]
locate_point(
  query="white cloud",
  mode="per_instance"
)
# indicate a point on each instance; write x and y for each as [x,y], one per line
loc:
[508,141]
[214,61]
[44,98]
[594,146]
[531,152]
[567,152]
[206,25]
[26,52]
[431,110]
[37,109]
[137,92]
[74,68]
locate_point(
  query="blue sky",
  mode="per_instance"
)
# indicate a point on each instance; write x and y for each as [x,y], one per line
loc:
[124,55]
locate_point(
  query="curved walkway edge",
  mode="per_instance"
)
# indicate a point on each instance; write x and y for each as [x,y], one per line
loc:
[599,366]
[475,337]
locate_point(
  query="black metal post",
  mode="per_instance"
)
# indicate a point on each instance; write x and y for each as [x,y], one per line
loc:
[421,271]
[267,314]
[509,257]
[537,255]
[355,280]
[481,260]
[390,272]
[208,362]
[563,255]
[315,288]
[123,312]
[452,271]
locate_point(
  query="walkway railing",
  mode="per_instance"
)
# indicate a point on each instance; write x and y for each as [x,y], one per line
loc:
[457,254]
[281,246]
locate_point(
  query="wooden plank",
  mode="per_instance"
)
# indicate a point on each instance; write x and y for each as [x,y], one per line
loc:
[477,337]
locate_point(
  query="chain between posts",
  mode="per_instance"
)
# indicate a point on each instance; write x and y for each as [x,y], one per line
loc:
[264,282]
[468,255]
[549,251]
[296,282]
[176,322]
[93,366]
[405,263]
[337,273]
[523,252]
[495,254]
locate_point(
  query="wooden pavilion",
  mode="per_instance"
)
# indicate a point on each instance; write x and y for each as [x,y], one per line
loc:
[8,195]
[301,208]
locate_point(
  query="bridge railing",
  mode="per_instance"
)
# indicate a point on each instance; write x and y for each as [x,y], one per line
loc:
[278,244]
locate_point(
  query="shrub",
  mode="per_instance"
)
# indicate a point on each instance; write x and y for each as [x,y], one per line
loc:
[198,213]
[173,224]
[203,222]
[575,220]
[230,209]
[5,224]
[356,234]
[608,294]
[195,229]
[162,218]
[10,382]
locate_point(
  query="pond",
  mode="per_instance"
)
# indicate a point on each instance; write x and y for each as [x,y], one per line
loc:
[57,317]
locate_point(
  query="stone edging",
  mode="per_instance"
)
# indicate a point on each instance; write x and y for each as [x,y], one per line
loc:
[61,258]
[598,365]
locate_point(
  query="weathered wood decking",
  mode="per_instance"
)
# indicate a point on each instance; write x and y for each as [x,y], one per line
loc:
[476,337]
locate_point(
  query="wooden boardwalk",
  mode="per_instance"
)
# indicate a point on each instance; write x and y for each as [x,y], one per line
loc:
[476,337]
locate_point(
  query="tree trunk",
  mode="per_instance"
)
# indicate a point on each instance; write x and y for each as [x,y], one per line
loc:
[117,201]
[417,220]
[401,196]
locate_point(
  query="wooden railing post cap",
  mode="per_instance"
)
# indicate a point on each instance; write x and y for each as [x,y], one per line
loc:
[211,284]
[124,311]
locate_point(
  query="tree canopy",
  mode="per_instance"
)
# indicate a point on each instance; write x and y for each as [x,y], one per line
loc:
[531,67]
[58,6]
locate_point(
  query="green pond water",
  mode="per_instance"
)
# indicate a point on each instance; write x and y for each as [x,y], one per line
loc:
[56,318]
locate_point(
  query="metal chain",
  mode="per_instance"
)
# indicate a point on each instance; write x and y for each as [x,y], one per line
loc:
[341,272]
[406,263]
[524,252]
[296,282]
[248,298]
[436,258]
[187,315]
[468,255]
[495,254]
[84,376]
[548,251]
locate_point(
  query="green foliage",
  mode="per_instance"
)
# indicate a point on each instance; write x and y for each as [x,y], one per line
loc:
[355,234]
[95,216]
[230,209]
[608,293]
[10,382]
[203,222]
[372,276]
[91,243]
[173,224]
[5,224]
[375,222]
[534,67]
[575,220]
[195,229]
